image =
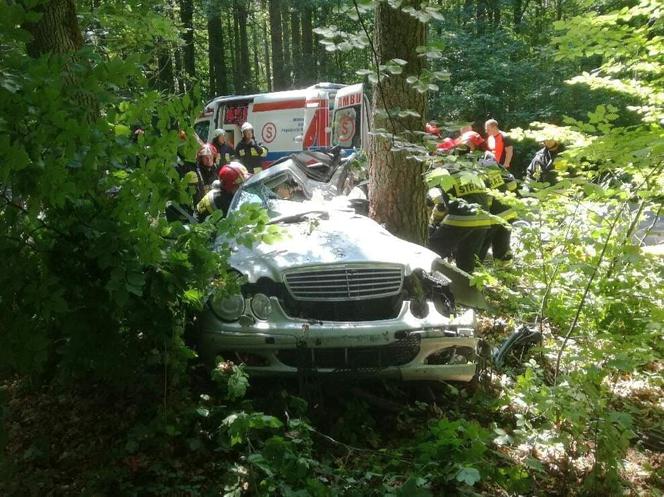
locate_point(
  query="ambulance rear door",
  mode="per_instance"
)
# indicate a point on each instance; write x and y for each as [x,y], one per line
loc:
[350,126]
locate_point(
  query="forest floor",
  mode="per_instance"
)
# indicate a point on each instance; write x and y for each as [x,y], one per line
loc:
[85,442]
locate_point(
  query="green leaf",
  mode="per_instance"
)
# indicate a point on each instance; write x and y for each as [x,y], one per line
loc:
[468,475]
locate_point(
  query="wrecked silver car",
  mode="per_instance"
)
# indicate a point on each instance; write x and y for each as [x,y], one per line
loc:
[337,293]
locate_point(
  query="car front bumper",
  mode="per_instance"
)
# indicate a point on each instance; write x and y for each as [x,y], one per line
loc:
[283,346]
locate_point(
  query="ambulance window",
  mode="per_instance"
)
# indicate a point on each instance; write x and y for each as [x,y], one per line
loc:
[202,129]
[236,114]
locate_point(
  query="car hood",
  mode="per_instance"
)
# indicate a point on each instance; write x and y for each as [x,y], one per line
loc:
[338,237]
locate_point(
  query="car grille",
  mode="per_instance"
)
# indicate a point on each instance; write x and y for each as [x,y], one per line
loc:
[345,282]
[397,353]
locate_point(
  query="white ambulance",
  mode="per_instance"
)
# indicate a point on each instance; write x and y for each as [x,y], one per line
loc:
[285,122]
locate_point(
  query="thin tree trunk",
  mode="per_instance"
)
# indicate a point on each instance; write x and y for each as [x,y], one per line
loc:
[286,33]
[179,76]
[254,42]
[495,7]
[188,53]
[321,55]
[480,13]
[237,74]
[216,56]
[279,81]
[232,47]
[396,188]
[296,46]
[164,77]
[266,51]
[244,65]
[307,46]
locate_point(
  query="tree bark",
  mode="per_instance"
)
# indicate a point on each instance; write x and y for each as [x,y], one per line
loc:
[188,54]
[396,187]
[57,32]
[279,79]
[57,29]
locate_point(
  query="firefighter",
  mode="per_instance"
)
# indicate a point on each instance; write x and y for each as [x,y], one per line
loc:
[498,179]
[459,220]
[541,167]
[248,152]
[231,176]
[205,170]
[225,152]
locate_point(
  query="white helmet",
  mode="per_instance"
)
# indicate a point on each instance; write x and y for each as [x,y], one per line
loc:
[246,127]
[218,132]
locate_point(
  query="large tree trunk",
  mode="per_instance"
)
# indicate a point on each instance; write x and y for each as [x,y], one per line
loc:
[396,188]
[278,72]
[188,54]
[307,47]
[56,31]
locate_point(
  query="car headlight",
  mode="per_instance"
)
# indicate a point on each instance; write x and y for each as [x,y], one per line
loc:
[229,307]
[261,306]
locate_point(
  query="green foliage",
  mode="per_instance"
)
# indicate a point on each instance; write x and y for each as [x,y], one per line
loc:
[97,282]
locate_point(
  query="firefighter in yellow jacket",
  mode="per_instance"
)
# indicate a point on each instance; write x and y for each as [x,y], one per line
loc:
[248,152]
[460,219]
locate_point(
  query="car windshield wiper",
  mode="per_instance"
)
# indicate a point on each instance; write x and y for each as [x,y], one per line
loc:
[293,218]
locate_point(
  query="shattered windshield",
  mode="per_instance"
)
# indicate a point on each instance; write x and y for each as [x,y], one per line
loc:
[284,192]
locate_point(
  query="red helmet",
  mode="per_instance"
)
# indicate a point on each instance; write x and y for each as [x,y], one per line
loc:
[446,145]
[471,137]
[432,129]
[232,175]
